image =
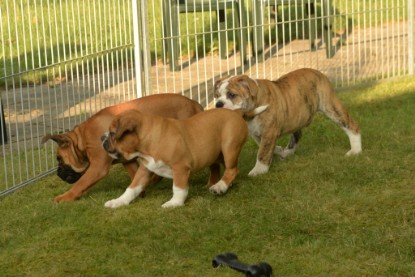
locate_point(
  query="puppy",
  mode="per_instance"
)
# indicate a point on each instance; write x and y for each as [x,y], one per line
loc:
[174,148]
[81,158]
[293,100]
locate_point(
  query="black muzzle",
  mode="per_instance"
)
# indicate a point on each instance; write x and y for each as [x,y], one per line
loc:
[67,174]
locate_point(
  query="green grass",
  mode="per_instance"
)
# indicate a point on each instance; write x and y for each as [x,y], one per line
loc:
[77,34]
[317,213]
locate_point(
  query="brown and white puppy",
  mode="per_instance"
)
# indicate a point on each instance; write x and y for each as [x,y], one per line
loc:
[81,158]
[174,148]
[293,100]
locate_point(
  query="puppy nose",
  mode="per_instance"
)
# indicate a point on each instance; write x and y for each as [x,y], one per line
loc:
[219,104]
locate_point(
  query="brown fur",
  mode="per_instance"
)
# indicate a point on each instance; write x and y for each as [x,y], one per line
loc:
[293,100]
[82,150]
[206,139]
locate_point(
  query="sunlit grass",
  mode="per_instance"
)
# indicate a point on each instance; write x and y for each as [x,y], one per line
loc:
[317,213]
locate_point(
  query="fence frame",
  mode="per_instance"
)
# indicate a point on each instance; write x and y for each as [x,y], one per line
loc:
[411,43]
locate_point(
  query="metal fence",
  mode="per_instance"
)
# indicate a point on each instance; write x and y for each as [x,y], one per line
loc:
[61,61]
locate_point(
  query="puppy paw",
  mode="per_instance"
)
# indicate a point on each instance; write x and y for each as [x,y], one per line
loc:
[283,152]
[353,152]
[278,150]
[172,204]
[219,188]
[66,197]
[259,169]
[115,203]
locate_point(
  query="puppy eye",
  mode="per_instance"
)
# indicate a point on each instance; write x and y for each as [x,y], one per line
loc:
[59,159]
[112,134]
[231,95]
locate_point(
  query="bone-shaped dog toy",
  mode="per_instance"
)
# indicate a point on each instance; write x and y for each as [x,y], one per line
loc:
[231,260]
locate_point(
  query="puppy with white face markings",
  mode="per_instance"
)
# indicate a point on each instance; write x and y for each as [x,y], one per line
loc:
[292,102]
[175,148]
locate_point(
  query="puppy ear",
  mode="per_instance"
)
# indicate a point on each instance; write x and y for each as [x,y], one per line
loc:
[248,84]
[61,139]
[124,125]
[217,85]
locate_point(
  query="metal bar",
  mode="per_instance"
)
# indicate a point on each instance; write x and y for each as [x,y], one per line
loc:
[3,131]
[27,182]
[146,48]
[411,60]
[137,49]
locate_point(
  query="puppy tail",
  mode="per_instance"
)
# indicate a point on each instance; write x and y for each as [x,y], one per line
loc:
[255,112]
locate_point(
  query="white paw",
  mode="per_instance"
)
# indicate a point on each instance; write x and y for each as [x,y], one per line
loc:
[283,153]
[219,188]
[278,150]
[115,203]
[259,169]
[179,196]
[172,204]
[353,152]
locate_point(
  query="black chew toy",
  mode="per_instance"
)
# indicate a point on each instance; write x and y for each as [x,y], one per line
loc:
[231,260]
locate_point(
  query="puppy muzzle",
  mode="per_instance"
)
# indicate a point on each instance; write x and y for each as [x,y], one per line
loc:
[67,174]
[105,141]
[106,145]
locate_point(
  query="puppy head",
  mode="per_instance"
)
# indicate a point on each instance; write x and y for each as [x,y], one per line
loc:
[237,92]
[72,162]
[121,139]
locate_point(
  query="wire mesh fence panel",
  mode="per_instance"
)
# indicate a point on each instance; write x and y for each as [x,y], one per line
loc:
[352,42]
[61,61]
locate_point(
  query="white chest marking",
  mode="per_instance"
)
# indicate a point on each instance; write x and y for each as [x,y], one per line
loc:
[158,167]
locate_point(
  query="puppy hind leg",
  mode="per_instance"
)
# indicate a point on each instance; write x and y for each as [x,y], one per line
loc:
[355,142]
[230,158]
[339,115]
[291,147]
[226,182]
[214,176]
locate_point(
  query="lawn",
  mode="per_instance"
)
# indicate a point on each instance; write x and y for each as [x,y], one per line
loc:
[317,213]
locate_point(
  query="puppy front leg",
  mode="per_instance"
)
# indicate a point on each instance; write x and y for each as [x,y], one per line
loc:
[97,170]
[131,167]
[180,189]
[265,153]
[141,179]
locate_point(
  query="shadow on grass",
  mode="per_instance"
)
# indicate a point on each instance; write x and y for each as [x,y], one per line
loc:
[286,29]
[59,63]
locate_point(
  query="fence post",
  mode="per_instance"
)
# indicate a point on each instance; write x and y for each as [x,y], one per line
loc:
[411,37]
[145,47]
[137,49]
[142,55]
[3,130]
